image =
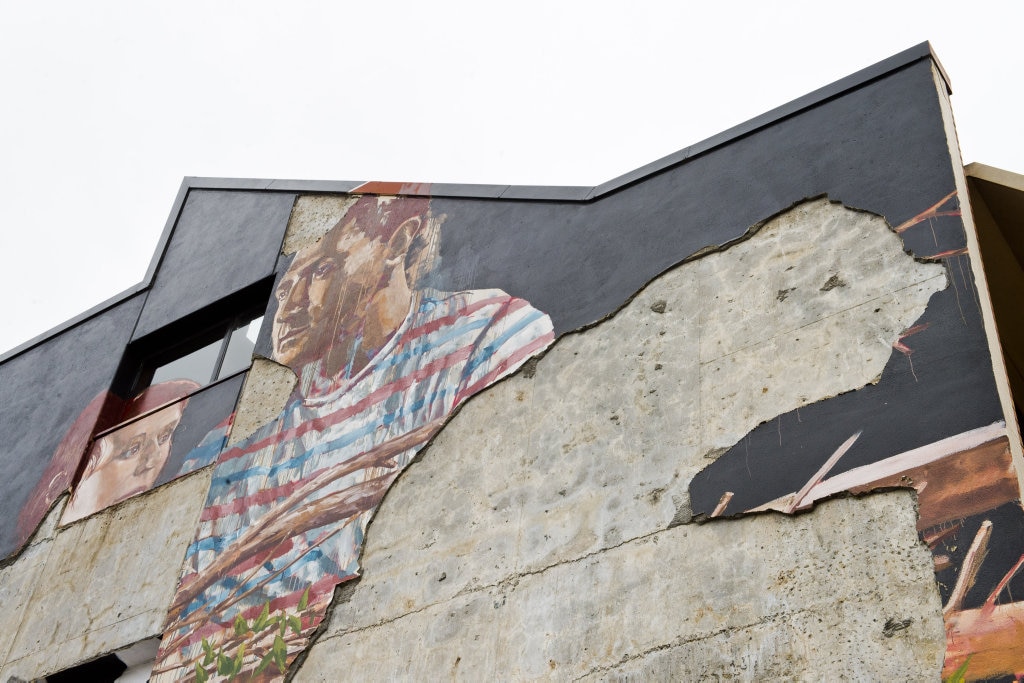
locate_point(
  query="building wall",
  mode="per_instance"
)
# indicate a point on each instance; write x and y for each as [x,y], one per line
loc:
[548,534]
[99,585]
[788,318]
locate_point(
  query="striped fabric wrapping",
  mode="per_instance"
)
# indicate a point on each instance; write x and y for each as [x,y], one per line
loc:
[450,346]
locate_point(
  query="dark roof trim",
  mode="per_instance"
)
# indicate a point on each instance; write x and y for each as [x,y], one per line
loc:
[852,82]
[582,193]
[80,318]
[513,192]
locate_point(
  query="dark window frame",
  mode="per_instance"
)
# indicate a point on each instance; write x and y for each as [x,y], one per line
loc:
[219,333]
[190,333]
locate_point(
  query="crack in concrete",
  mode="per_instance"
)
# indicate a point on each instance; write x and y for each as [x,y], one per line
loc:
[511,582]
[783,333]
[508,583]
[680,641]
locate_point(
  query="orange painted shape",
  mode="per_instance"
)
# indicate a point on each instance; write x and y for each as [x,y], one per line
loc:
[991,638]
[382,187]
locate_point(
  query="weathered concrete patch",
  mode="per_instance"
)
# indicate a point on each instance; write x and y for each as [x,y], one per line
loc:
[803,598]
[312,216]
[264,395]
[814,342]
[767,378]
[104,583]
[17,585]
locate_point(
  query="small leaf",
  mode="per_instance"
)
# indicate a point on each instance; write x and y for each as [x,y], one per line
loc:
[241,626]
[262,619]
[223,664]
[201,675]
[265,662]
[280,651]
[208,649]
[295,623]
[239,657]
[304,602]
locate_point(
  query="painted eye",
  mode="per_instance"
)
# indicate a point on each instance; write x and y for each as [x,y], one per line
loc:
[128,453]
[164,437]
[324,268]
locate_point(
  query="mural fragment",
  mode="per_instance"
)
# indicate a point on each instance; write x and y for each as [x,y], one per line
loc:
[909,431]
[127,460]
[128,447]
[382,360]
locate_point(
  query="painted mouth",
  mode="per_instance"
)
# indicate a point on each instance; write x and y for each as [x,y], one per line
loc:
[291,337]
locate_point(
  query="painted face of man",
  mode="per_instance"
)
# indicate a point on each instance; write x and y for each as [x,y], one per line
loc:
[323,298]
[125,462]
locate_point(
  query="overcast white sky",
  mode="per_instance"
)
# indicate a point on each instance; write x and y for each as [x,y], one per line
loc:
[107,105]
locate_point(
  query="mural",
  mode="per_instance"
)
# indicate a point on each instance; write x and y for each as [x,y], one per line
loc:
[383,357]
[140,443]
[907,431]
[127,460]
[382,360]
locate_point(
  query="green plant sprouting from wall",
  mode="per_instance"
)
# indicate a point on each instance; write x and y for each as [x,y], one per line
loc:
[256,644]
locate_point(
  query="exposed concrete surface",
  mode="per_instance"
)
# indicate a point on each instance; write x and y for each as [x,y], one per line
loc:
[541,482]
[99,584]
[17,583]
[795,306]
[312,216]
[768,596]
[264,395]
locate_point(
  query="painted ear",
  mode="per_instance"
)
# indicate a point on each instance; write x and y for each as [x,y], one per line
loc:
[403,237]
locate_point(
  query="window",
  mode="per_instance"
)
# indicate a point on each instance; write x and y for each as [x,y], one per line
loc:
[218,353]
[204,347]
[132,664]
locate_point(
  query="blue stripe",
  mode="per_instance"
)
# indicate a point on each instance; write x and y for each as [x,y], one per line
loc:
[218,591]
[431,342]
[484,355]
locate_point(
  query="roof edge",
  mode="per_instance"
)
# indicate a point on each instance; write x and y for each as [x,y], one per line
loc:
[855,80]
[996,176]
[508,192]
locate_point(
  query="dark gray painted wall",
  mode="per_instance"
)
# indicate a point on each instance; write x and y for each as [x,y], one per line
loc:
[223,241]
[880,148]
[42,391]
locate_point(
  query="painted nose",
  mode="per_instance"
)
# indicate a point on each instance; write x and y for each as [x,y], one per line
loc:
[148,456]
[297,298]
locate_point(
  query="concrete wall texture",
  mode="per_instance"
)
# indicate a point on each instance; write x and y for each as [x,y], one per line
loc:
[558,479]
[541,537]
